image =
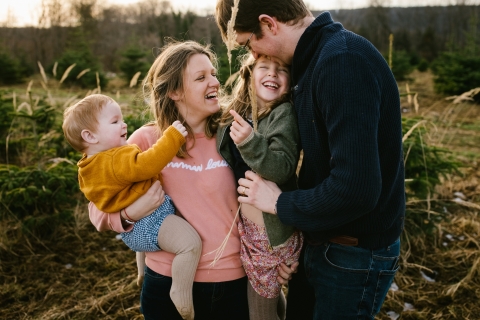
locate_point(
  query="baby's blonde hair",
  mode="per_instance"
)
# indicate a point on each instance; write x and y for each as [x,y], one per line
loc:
[83,116]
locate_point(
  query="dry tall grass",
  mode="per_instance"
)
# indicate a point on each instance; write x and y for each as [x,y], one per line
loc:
[79,273]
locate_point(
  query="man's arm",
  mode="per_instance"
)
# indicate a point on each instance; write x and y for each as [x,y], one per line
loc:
[348,96]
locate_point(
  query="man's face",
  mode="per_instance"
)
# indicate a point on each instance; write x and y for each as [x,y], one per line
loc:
[265,46]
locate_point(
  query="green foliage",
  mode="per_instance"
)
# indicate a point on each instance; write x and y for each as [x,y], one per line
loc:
[10,69]
[456,72]
[401,66]
[423,65]
[83,60]
[133,61]
[79,53]
[135,121]
[37,196]
[6,115]
[32,128]
[224,68]
[424,164]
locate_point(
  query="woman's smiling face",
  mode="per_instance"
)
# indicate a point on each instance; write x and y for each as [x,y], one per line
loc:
[199,98]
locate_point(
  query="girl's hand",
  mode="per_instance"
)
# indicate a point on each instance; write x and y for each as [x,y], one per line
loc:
[179,126]
[285,272]
[240,129]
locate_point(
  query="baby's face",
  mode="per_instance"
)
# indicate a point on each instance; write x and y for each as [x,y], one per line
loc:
[111,130]
[271,79]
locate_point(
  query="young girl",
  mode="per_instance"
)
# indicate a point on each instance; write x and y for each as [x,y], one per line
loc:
[263,137]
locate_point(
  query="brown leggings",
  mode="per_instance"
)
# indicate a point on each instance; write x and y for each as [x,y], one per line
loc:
[261,308]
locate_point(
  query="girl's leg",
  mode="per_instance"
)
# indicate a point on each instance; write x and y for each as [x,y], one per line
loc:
[140,256]
[261,308]
[177,236]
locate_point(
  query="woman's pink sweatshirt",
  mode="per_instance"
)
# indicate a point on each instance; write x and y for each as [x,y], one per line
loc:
[203,190]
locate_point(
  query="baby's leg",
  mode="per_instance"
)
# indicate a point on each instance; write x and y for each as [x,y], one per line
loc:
[140,256]
[177,236]
[261,308]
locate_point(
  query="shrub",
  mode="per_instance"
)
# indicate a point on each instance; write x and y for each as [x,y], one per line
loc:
[133,61]
[401,66]
[83,60]
[10,69]
[40,198]
[456,73]
[422,65]
[424,164]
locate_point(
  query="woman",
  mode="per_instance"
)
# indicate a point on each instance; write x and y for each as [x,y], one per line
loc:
[182,85]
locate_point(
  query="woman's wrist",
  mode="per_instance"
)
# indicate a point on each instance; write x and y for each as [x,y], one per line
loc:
[126,220]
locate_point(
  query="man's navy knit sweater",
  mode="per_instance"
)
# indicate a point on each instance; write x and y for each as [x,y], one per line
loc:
[352,176]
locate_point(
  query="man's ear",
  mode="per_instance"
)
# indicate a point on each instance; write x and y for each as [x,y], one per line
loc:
[269,22]
[89,137]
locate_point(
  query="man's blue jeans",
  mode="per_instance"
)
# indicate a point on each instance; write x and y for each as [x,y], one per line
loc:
[350,282]
[211,300]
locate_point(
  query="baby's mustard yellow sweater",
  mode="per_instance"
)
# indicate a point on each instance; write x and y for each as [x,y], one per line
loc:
[115,178]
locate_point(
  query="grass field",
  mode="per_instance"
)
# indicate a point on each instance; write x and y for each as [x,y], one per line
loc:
[78,273]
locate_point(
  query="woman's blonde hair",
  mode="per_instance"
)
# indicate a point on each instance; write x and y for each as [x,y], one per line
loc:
[83,115]
[243,98]
[166,76]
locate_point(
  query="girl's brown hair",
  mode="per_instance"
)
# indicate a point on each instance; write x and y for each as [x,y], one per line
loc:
[243,97]
[166,76]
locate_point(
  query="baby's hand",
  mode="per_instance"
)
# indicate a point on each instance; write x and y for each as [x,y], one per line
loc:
[179,126]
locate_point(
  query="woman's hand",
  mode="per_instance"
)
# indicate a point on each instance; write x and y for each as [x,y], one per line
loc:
[240,129]
[147,203]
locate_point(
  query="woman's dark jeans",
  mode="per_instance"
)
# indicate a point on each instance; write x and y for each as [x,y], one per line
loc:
[211,300]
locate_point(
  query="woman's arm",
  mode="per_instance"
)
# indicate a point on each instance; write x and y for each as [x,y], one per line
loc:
[142,207]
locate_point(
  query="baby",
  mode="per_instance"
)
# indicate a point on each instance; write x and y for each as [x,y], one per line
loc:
[113,174]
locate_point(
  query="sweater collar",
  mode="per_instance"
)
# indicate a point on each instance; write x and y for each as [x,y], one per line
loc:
[310,41]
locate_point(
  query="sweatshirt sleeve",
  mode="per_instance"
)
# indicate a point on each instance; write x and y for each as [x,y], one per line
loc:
[143,137]
[348,96]
[140,166]
[105,221]
[274,153]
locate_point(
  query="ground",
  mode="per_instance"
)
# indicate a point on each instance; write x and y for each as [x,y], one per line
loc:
[79,273]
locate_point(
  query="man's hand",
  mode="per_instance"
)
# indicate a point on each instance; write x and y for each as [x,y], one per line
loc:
[260,193]
[240,129]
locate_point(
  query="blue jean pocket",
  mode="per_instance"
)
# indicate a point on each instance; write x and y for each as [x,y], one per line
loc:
[350,282]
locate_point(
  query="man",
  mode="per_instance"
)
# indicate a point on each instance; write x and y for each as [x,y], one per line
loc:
[351,199]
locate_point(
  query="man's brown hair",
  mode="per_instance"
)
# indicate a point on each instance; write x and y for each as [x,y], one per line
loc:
[285,11]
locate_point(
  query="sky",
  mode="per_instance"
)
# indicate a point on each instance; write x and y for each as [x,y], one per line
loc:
[25,12]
